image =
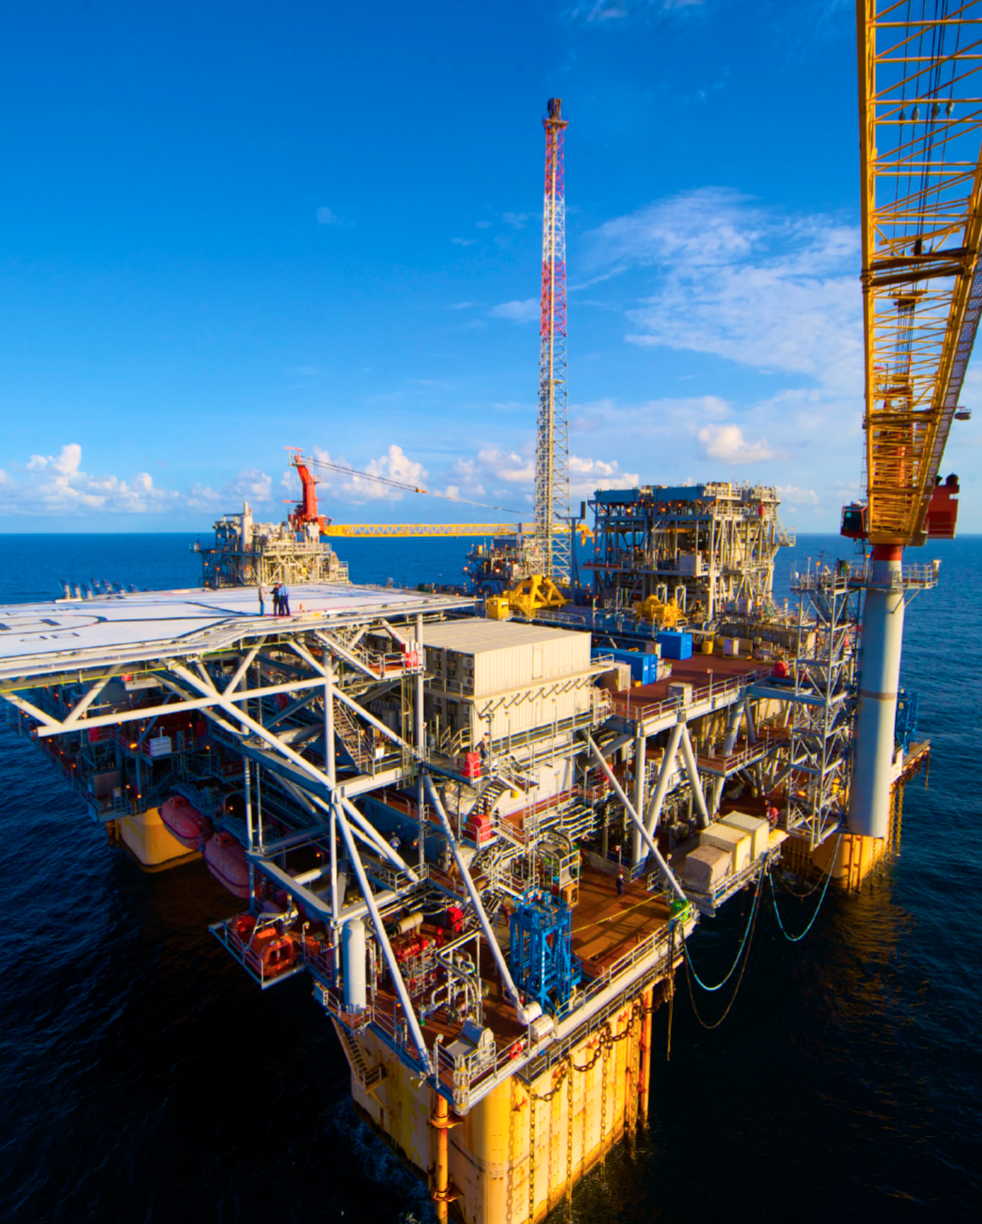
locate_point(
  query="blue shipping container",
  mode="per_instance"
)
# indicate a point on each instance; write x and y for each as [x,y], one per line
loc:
[644,667]
[675,645]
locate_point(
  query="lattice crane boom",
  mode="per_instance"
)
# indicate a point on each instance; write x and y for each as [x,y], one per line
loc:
[920,121]
[920,94]
[552,506]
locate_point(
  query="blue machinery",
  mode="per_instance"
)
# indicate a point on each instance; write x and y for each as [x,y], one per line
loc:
[908,708]
[540,953]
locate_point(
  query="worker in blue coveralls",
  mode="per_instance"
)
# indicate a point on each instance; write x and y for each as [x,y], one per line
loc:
[262,599]
[284,600]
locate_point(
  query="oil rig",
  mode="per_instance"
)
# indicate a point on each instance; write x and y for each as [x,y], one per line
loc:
[486,824]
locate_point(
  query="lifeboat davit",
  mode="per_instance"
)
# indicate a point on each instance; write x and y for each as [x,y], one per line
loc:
[227,862]
[184,822]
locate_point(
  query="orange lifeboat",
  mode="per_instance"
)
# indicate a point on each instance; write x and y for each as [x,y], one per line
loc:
[227,862]
[270,954]
[184,822]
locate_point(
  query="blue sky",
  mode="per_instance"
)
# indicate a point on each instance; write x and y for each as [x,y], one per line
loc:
[227,229]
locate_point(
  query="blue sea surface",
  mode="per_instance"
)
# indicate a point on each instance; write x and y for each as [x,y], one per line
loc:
[143,1076]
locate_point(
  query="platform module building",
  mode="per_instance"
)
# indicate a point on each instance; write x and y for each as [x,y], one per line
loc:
[710,547]
[246,553]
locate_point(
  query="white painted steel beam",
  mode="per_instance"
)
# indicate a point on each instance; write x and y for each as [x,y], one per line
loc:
[664,775]
[525,1014]
[692,769]
[94,691]
[55,727]
[383,939]
[639,823]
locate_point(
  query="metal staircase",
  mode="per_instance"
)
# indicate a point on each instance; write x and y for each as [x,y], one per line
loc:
[356,743]
[370,1078]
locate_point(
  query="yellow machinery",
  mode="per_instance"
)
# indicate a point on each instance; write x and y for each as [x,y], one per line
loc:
[667,615]
[531,596]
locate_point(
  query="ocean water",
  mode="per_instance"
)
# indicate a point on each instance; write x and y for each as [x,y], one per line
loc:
[143,1077]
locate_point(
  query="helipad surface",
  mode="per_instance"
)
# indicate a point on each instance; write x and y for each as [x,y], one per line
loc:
[39,638]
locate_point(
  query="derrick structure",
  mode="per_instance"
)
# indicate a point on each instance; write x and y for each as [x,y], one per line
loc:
[920,122]
[552,505]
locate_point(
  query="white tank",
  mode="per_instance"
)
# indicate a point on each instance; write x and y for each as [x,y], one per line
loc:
[355,991]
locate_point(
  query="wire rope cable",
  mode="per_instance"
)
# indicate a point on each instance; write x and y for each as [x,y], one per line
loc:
[739,982]
[743,944]
[811,922]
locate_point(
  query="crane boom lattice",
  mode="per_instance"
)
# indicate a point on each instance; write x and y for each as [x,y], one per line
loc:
[920,94]
[552,507]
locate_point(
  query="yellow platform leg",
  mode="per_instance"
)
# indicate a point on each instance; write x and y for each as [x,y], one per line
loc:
[151,844]
[646,999]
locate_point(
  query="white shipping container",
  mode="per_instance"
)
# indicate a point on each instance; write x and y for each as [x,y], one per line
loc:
[507,655]
[706,867]
[725,837]
[758,828]
[531,713]
[731,647]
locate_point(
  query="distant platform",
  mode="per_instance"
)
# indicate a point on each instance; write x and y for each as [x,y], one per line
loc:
[40,638]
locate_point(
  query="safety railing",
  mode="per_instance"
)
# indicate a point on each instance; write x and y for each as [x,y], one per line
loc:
[266,954]
[715,692]
[844,575]
[725,764]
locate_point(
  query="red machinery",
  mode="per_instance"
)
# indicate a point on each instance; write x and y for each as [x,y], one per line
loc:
[939,524]
[306,509]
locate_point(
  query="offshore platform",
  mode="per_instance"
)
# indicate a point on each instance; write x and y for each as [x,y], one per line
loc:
[485,824]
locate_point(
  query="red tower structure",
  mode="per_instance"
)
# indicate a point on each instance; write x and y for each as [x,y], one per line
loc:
[552,508]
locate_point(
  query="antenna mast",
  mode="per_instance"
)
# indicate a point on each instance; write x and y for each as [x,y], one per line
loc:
[552,508]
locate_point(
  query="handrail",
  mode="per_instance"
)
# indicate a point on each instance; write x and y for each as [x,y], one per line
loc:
[646,711]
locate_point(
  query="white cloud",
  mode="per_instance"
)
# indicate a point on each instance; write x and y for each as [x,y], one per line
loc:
[623,12]
[588,475]
[464,242]
[249,485]
[327,216]
[760,288]
[509,466]
[727,442]
[395,464]
[515,220]
[501,473]
[794,496]
[57,484]
[519,312]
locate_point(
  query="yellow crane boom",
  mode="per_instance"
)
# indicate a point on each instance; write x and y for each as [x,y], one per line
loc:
[367,530]
[920,95]
[460,530]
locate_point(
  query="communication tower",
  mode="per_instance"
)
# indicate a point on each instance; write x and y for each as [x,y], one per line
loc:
[552,508]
